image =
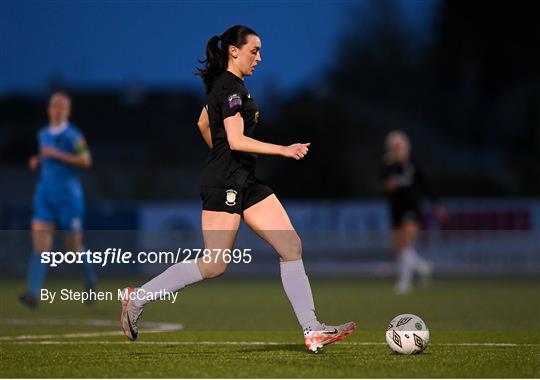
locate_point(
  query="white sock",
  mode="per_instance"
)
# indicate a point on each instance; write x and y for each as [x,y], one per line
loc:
[419,264]
[406,266]
[175,278]
[296,285]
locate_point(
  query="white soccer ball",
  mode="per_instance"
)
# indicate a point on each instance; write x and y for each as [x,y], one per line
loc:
[407,334]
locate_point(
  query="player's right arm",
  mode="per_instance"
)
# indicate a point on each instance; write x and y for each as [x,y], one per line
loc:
[390,185]
[234,126]
[80,156]
[33,162]
[204,127]
[81,160]
[389,182]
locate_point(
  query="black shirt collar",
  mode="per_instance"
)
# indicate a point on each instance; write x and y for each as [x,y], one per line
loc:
[237,79]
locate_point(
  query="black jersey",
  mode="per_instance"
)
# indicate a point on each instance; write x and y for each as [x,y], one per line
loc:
[411,185]
[225,167]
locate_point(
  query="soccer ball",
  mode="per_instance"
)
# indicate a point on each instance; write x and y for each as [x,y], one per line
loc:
[407,334]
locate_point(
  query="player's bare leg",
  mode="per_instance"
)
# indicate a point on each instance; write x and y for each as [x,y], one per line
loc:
[42,241]
[73,241]
[219,233]
[270,221]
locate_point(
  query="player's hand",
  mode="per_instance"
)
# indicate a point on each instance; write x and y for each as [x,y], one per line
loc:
[390,185]
[296,151]
[441,214]
[50,152]
[33,163]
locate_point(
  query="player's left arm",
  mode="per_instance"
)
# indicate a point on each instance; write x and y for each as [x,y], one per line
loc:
[440,211]
[80,158]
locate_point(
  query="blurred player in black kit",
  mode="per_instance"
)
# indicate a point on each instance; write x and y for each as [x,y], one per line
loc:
[404,185]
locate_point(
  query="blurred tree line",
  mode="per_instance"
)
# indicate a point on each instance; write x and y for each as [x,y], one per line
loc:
[468,96]
[469,99]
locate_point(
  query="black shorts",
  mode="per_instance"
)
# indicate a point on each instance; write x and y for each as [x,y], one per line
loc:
[233,200]
[409,214]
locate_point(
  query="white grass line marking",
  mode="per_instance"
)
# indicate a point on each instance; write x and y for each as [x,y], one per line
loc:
[160,327]
[85,322]
[58,322]
[154,327]
[472,344]
[257,343]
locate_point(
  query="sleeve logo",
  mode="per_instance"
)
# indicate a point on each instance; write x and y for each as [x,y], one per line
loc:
[235,101]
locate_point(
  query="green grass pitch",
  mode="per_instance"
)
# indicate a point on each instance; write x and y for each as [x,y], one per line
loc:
[246,328]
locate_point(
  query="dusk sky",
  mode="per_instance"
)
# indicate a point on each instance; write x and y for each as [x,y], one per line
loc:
[118,43]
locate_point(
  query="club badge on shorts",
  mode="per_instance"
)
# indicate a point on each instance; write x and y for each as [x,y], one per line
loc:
[230,199]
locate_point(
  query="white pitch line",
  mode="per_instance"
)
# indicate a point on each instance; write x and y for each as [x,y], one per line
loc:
[58,322]
[154,327]
[473,344]
[160,327]
[85,322]
[258,343]
[75,335]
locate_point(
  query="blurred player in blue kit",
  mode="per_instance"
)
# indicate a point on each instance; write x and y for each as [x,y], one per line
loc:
[58,199]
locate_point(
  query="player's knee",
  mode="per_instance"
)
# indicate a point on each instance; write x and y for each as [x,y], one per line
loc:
[293,249]
[297,247]
[214,270]
[41,246]
[73,246]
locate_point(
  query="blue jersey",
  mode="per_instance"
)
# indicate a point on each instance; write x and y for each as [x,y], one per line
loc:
[57,177]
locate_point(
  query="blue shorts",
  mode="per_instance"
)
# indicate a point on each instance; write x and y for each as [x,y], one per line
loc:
[65,211]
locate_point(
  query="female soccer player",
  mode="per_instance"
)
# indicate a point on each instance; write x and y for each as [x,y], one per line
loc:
[58,200]
[230,190]
[404,184]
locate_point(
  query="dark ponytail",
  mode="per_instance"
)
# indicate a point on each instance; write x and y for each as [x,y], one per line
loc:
[217,53]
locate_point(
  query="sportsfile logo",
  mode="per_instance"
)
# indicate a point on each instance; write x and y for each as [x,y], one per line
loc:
[119,256]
